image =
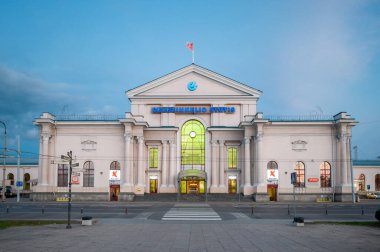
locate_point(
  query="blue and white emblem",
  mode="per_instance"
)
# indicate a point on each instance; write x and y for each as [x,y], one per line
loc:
[192,86]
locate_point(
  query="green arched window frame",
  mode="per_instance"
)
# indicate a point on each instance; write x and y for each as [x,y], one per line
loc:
[193,145]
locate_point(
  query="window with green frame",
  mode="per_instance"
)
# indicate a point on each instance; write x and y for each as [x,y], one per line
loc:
[232,158]
[193,145]
[153,158]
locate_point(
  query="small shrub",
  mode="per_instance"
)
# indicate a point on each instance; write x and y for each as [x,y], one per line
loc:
[377,214]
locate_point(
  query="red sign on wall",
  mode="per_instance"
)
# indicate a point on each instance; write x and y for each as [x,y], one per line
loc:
[74,180]
[312,179]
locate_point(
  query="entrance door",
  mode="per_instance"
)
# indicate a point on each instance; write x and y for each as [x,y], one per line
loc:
[272,192]
[232,184]
[153,185]
[114,192]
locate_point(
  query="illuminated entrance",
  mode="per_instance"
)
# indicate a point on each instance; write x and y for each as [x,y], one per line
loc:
[153,181]
[232,184]
[192,178]
[192,181]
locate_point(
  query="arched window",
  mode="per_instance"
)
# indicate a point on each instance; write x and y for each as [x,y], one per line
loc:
[272,165]
[26,181]
[300,171]
[11,177]
[63,175]
[193,145]
[325,171]
[115,165]
[361,182]
[377,182]
[88,174]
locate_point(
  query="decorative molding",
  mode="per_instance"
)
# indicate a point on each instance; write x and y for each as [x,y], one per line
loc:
[89,145]
[299,145]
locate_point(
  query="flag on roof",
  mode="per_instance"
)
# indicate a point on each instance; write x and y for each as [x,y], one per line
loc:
[190,46]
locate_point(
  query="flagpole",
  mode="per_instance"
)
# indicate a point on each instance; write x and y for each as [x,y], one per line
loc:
[192,52]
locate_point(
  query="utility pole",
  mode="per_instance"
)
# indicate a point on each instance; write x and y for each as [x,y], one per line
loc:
[69,158]
[5,154]
[18,183]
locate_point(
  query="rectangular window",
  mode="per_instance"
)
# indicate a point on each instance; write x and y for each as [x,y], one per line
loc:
[63,175]
[153,158]
[232,158]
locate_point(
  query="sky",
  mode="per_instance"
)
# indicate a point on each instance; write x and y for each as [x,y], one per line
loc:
[79,57]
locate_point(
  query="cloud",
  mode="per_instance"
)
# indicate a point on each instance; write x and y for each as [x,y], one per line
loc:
[322,60]
[24,98]
[23,94]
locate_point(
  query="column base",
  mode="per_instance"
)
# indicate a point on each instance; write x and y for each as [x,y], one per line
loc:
[126,188]
[215,189]
[343,193]
[139,190]
[247,190]
[261,197]
[168,189]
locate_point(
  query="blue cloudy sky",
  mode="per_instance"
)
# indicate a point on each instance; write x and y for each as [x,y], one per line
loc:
[78,57]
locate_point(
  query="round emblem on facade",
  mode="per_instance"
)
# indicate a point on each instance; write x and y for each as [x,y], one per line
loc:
[193,134]
[192,85]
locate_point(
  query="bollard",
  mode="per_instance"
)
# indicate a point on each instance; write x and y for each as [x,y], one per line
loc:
[43,210]
[7,209]
[288,210]
[81,210]
[126,210]
[325,209]
[362,211]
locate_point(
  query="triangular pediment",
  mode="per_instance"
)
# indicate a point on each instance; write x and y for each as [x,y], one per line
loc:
[193,81]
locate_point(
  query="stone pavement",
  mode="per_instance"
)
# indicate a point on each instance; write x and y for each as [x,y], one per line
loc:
[143,234]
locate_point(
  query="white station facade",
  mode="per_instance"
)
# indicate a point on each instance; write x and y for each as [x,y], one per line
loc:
[195,131]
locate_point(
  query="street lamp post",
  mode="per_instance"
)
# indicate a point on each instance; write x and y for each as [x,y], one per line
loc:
[5,152]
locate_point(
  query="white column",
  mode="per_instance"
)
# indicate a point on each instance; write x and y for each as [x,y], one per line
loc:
[343,158]
[164,167]
[348,158]
[140,162]
[51,179]
[214,176]
[45,159]
[172,174]
[247,162]
[127,169]
[260,167]
[221,164]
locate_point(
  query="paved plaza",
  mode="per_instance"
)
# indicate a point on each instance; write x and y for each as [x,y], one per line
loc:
[143,233]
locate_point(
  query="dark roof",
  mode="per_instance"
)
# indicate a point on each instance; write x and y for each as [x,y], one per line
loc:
[366,162]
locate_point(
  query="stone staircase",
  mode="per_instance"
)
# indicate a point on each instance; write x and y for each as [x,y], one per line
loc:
[172,197]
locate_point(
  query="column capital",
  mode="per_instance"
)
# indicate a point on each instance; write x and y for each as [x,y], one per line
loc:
[128,137]
[221,142]
[214,142]
[140,139]
[45,136]
[164,142]
[171,142]
[247,140]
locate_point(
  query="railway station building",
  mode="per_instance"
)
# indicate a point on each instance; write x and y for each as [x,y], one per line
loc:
[194,131]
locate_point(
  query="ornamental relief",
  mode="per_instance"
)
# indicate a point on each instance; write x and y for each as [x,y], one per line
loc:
[299,145]
[89,145]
